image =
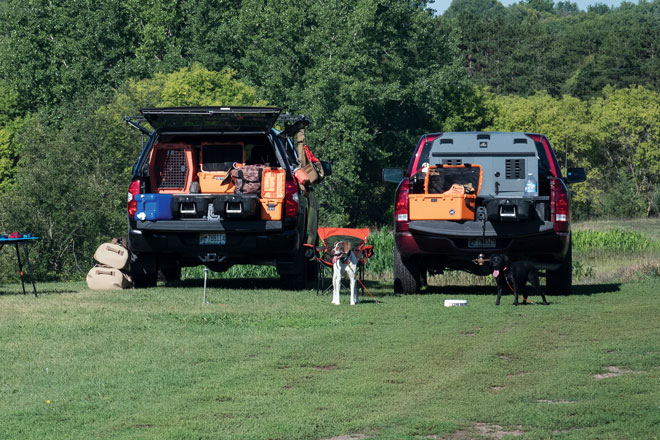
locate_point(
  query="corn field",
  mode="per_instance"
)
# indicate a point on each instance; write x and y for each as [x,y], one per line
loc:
[614,240]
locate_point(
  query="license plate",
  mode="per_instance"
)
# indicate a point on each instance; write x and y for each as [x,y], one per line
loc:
[481,243]
[212,239]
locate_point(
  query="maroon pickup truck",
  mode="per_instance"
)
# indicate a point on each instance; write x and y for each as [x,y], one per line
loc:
[466,196]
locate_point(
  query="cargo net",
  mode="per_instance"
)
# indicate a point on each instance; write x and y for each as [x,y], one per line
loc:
[171,168]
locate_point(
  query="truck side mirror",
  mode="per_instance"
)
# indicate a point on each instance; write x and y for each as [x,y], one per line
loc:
[392,175]
[327,168]
[576,175]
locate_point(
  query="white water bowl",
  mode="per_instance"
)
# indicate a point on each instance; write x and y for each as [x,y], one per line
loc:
[456,303]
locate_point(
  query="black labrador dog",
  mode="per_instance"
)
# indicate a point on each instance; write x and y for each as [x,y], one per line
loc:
[514,275]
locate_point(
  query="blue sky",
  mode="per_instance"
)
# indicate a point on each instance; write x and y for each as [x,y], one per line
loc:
[441,5]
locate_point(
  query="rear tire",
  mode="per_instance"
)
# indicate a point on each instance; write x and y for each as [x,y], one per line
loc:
[560,281]
[169,272]
[407,273]
[295,277]
[143,270]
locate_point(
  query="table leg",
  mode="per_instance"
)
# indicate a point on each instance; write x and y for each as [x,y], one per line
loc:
[20,267]
[27,260]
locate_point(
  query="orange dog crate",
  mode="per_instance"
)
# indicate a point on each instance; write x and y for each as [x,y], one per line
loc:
[172,168]
[447,205]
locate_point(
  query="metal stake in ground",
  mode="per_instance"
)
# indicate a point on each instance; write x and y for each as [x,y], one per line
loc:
[206,272]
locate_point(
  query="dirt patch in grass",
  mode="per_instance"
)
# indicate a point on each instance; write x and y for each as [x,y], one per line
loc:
[348,437]
[481,429]
[553,401]
[329,367]
[614,372]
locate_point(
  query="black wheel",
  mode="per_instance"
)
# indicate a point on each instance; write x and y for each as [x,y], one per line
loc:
[407,273]
[294,273]
[143,270]
[169,272]
[560,281]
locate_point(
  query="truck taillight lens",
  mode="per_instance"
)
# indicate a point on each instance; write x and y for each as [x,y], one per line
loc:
[560,206]
[133,190]
[401,206]
[291,198]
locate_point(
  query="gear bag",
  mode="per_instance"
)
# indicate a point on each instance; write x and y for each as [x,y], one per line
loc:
[247,179]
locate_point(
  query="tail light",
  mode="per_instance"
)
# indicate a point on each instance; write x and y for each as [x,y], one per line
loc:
[133,190]
[291,198]
[401,206]
[559,208]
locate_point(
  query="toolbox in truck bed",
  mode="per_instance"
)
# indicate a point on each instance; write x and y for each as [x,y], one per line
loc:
[450,193]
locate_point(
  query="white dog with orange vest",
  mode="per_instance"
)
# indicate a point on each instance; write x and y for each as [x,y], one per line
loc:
[344,262]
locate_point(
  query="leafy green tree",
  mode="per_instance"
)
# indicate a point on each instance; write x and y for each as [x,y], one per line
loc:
[9,152]
[531,46]
[473,7]
[627,123]
[53,51]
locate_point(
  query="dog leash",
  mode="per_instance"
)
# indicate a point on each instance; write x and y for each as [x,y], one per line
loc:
[362,284]
[510,287]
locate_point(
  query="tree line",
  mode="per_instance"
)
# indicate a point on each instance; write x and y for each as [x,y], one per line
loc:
[373,75]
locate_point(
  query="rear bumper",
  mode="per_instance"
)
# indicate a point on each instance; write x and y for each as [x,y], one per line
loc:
[450,249]
[246,242]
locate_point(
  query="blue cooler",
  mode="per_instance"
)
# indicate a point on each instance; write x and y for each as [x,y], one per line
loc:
[153,207]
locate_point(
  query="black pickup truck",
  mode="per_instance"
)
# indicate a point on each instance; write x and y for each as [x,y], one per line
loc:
[184,208]
[466,196]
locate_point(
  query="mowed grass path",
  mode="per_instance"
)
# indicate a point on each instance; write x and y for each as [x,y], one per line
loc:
[261,363]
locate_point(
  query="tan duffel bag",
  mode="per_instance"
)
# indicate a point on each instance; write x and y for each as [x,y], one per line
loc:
[107,278]
[112,255]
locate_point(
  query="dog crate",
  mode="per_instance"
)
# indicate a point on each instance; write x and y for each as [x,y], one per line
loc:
[172,168]
[450,193]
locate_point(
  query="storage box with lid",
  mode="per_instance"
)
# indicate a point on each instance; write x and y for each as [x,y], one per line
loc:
[450,193]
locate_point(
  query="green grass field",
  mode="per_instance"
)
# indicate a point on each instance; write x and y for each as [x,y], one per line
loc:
[259,363]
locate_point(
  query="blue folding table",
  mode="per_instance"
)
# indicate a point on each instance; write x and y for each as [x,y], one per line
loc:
[21,239]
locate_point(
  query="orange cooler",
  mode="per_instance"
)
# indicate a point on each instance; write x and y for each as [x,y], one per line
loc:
[271,209]
[211,182]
